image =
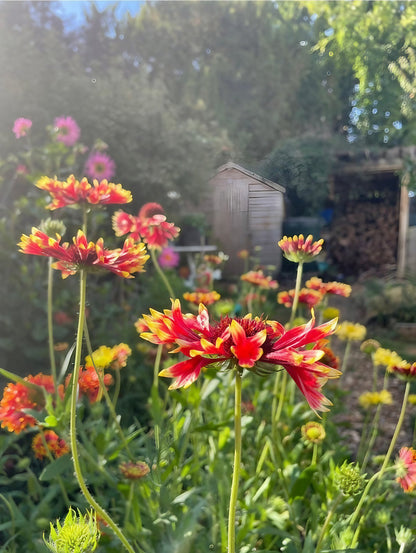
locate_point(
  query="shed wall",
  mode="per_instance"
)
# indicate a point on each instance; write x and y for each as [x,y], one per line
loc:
[246,213]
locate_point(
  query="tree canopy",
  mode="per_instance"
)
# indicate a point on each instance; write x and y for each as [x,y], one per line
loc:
[184,86]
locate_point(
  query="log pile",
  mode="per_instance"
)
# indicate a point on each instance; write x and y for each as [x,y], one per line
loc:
[364,237]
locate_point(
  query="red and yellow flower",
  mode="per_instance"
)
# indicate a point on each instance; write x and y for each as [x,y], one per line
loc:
[54,444]
[89,382]
[406,468]
[258,345]
[404,370]
[105,357]
[74,192]
[207,297]
[258,278]
[19,397]
[297,249]
[336,288]
[82,254]
[307,297]
[150,225]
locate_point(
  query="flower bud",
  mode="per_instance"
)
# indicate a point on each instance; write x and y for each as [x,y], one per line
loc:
[369,346]
[349,479]
[313,432]
[78,533]
[52,227]
[403,536]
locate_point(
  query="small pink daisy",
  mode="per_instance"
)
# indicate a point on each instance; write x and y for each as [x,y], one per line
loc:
[168,258]
[67,130]
[21,127]
[100,166]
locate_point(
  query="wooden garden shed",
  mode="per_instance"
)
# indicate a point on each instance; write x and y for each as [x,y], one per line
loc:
[246,213]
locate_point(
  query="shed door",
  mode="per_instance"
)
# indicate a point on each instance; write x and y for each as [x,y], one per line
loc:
[231,220]
[265,223]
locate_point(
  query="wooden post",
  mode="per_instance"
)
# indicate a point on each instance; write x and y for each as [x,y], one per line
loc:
[403,226]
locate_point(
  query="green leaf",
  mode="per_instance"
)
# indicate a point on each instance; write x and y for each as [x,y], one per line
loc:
[56,468]
[302,483]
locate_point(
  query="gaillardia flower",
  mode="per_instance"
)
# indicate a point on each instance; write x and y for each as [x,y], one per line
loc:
[299,250]
[67,130]
[82,254]
[150,225]
[100,166]
[73,192]
[307,297]
[49,441]
[336,288]
[258,345]
[406,468]
[258,278]
[21,127]
[18,398]
[207,297]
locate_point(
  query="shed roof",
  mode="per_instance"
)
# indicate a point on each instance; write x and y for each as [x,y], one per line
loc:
[259,178]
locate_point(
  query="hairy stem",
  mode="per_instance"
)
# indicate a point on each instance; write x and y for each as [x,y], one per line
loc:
[237,464]
[73,420]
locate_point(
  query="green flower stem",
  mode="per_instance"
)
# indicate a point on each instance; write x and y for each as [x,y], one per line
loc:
[365,433]
[156,366]
[117,388]
[161,273]
[51,459]
[297,290]
[383,469]
[50,323]
[373,436]
[84,219]
[249,300]
[73,431]
[397,429]
[329,516]
[132,506]
[279,409]
[103,389]
[237,464]
[314,455]
[346,356]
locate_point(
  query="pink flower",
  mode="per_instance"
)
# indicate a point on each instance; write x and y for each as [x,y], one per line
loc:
[406,468]
[21,126]
[150,225]
[168,258]
[21,169]
[67,130]
[100,166]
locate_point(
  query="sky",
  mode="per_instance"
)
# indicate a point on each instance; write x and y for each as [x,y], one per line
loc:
[72,11]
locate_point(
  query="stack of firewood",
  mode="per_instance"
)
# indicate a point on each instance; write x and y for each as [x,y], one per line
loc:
[364,238]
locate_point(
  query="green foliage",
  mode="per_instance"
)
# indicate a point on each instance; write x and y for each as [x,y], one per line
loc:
[371,38]
[246,64]
[303,167]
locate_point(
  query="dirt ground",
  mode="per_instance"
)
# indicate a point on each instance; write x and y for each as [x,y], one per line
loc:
[358,378]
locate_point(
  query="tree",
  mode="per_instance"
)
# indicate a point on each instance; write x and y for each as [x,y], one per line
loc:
[161,153]
[246,64]
[371,37]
